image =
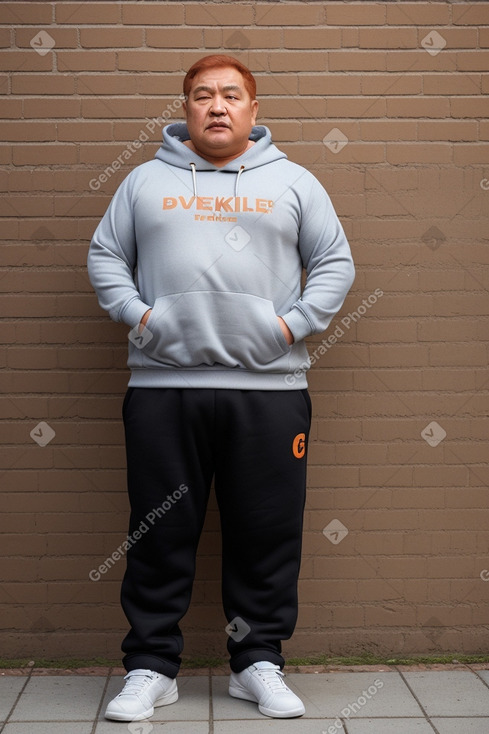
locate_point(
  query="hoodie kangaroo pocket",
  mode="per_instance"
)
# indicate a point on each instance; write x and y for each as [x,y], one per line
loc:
[211,327]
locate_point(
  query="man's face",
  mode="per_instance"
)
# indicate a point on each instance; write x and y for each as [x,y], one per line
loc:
[220,113]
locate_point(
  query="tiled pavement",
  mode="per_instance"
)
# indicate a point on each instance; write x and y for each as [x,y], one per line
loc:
[361,700]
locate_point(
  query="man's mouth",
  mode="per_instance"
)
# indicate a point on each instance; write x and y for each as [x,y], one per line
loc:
[213,125]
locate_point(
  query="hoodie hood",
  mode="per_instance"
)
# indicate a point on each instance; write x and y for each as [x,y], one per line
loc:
[173,152]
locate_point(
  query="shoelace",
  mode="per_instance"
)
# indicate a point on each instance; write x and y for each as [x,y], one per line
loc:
[273,679]
[135,683]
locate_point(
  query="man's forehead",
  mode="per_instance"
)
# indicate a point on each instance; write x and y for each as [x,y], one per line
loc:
[218,78]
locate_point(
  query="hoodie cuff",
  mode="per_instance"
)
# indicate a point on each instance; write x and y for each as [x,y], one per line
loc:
[298,324]
[133,313]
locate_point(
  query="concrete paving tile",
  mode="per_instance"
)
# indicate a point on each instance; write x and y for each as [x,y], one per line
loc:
[152,727]
[450,693]
[10,687]
[60,698]
[36,727]
[354,695]
[388,726]
[484,674]
[279,726]
[465,725]
[192,704]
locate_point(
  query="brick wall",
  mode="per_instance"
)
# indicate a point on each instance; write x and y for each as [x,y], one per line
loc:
[386,103]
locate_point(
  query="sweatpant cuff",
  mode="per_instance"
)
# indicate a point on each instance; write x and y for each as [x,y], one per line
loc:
[151,662]
[244,659]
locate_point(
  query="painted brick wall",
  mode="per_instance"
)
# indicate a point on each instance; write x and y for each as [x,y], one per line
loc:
[386,103]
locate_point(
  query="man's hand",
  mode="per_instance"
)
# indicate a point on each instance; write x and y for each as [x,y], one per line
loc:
[289,337]
[144,320]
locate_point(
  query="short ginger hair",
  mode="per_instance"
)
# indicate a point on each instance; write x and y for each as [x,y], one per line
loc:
[219,61]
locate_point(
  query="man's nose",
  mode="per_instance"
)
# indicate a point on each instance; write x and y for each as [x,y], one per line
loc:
[218,107]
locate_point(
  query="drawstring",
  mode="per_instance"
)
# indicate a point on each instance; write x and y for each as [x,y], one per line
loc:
[241,169]
[194,179]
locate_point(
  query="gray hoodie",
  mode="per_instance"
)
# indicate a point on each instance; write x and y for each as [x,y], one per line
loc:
[218,253]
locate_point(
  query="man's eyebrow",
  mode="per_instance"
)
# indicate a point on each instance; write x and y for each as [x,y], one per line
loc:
[226,88]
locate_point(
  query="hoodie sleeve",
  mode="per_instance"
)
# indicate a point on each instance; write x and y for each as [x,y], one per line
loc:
[327,259]
[112,259]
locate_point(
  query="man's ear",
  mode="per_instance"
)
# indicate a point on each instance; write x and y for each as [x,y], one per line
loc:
[184,105]
[254,110]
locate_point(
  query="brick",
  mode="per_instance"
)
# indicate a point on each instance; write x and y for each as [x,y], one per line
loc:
[451,84]
[356,61]
[27,131]
[285,15]
[63,37]
[356,14]
[323,38]
[388,38]
[469,107]
[421,60]
[173,37]
[115,84]
[87,130]
[415,14]
[46,154]
[426,107]
[402,153]
[328,85]
[473,60]
[30,13]
[113,108]
[52,84]
[391,84]
[51,107]
[86,61]
[17,61]
[470,14]
[215,14]
[447,130]
[148,61]
[11,109]
[87,13]
[152,14]
[388,130]
[305,61]
[344,107]
[111,37]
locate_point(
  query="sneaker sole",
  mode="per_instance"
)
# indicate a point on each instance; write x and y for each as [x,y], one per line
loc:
[246,696]
[166,700]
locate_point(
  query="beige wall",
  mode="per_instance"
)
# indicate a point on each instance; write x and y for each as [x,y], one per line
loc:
[406,84]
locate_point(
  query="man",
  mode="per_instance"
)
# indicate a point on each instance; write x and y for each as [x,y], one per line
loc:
[201,253]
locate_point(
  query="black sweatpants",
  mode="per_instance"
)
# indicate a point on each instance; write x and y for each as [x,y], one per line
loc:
[254,445]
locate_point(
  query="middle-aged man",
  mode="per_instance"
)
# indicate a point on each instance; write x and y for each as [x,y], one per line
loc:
[201,253]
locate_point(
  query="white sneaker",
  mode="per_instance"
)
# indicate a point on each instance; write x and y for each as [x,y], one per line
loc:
[263,683]
[144,690]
